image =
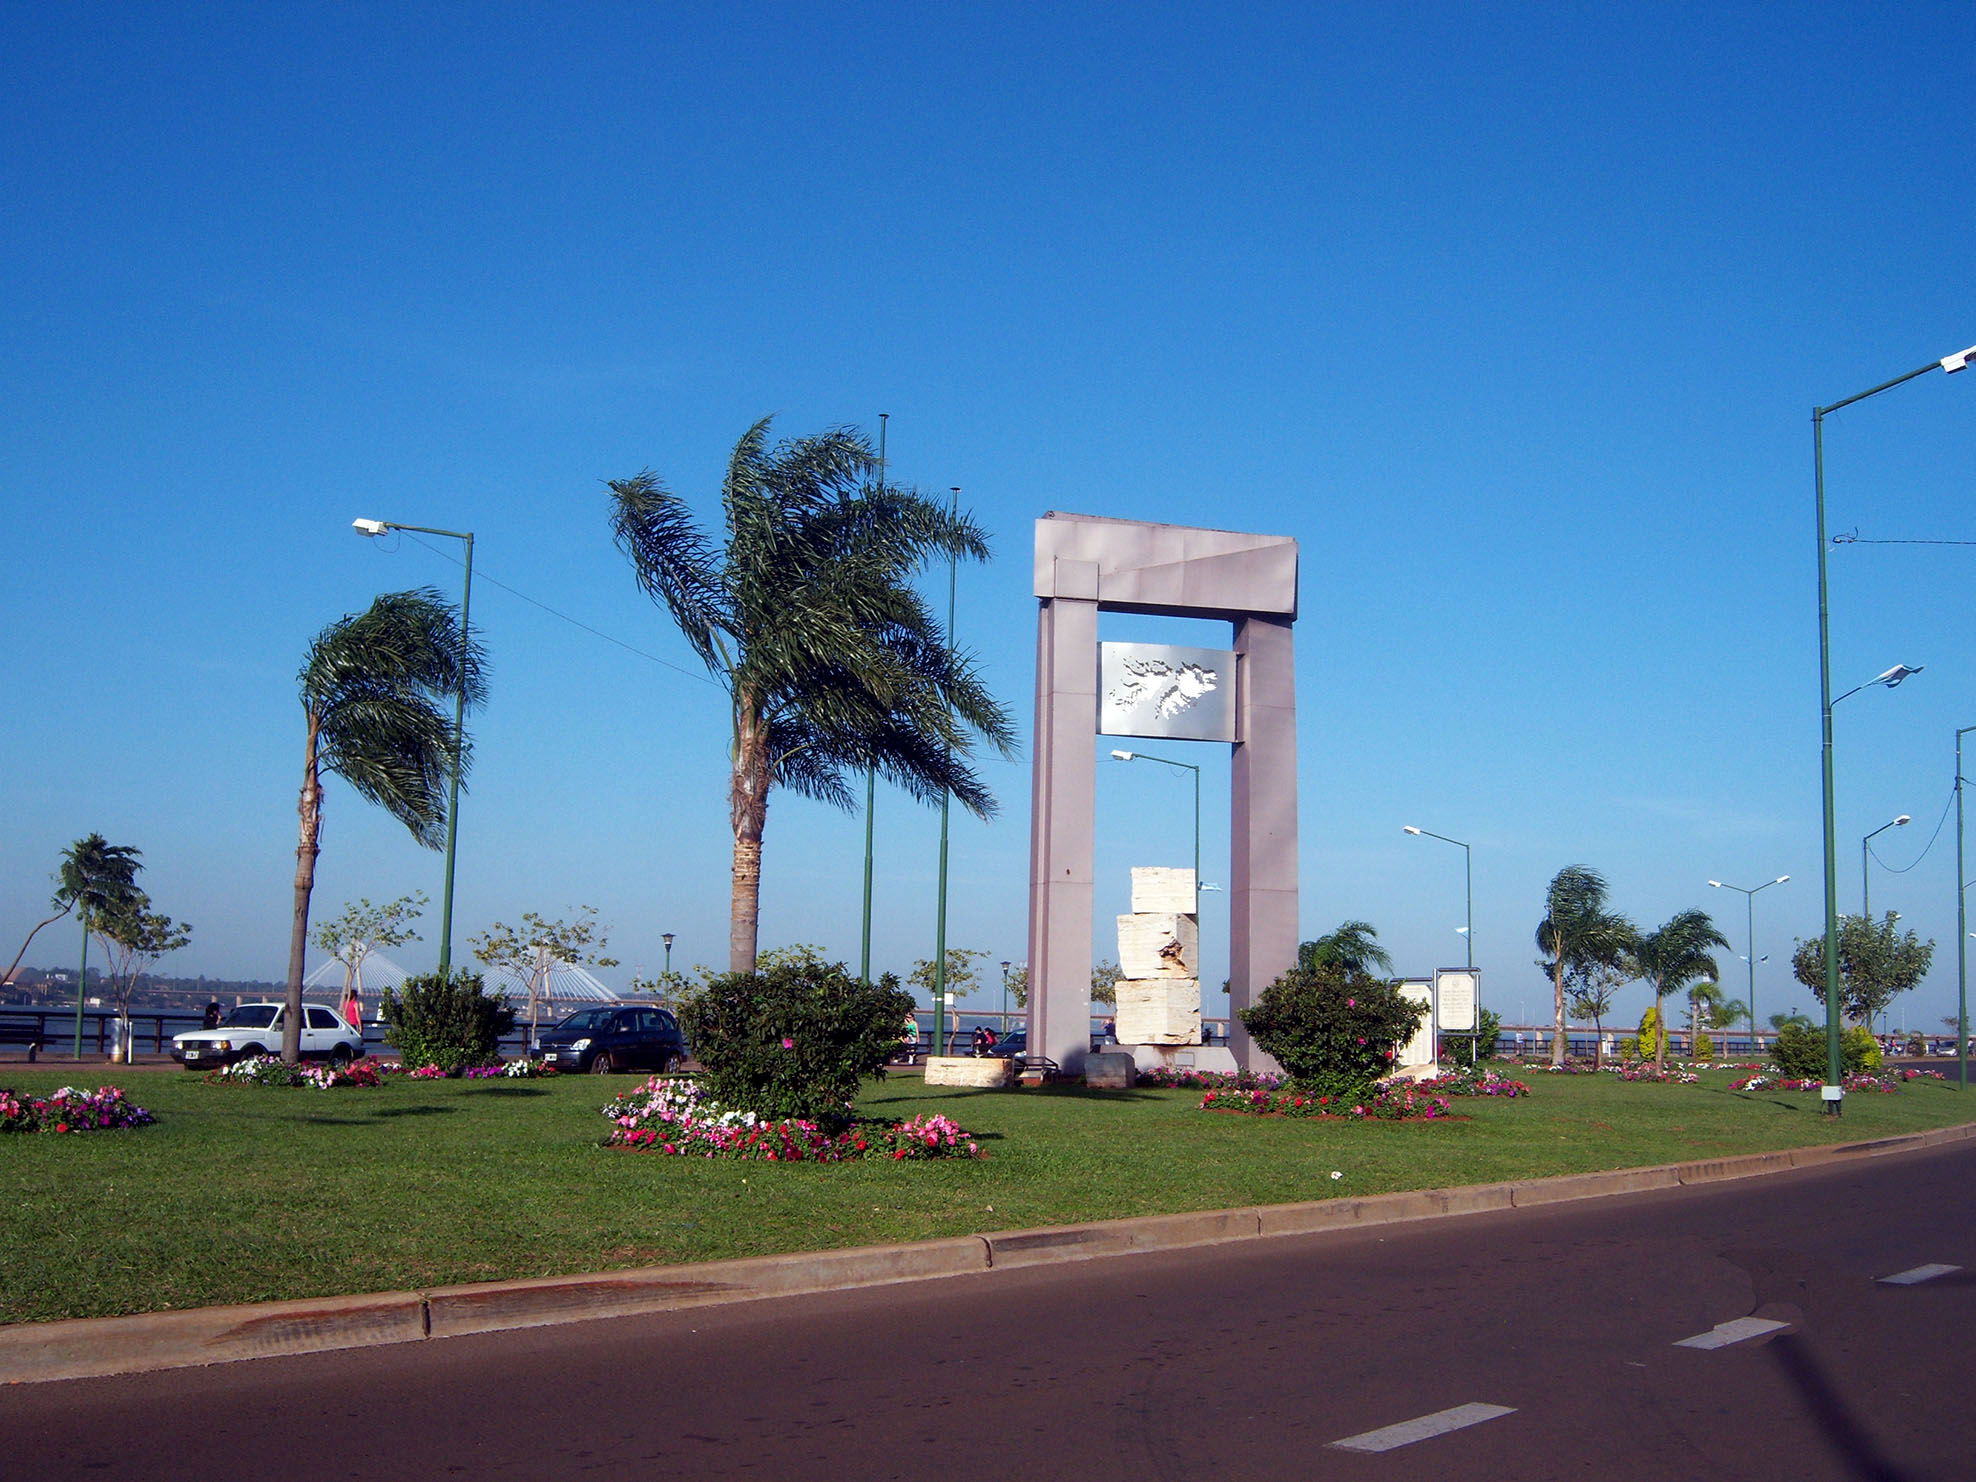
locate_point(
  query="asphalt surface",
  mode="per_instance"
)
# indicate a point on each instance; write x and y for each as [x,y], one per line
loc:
[1556,1331]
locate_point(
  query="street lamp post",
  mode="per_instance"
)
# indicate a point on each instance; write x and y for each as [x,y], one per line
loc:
[1961,931]
[378,527]
[1865,883]
[1749,924]
[1468,931]
[666,937]
[1834,1090]
[1140,756]
[1005,998]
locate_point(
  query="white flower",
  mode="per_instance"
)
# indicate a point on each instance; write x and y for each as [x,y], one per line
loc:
[1336,1174]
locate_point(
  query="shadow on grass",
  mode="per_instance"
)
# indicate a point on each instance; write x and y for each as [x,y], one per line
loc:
[1033,1093]
[415,1111]
[499,1090]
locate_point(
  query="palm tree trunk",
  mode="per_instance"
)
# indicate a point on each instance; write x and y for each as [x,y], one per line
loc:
[1559,1043]
[308,809]
[1660,1033]
[748,811]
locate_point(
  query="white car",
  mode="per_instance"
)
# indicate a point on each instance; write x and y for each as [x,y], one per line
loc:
[255,1029]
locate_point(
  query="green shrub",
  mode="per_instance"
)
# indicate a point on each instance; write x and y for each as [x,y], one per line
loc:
[1629,1048]
[449,1022]
[795,1039]
[1334,1029]
[1649,1036]
[1799,1051]
[1704,1046]
[1483,1046]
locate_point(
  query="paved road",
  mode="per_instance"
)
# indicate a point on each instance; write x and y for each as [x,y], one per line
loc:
[1248,1362]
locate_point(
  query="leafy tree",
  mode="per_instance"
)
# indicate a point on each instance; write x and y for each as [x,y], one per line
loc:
[363,928]
[1334,1029]
[1670,957]
[94,873]
[378,689]
[1648,1042]
[1104,982]
[1019,985]
[1589,991]
[1800,1050]
[1578,933]
[962,976]
[1353,945]
[537,945]
[134,937]
[807,616]
[1877,963]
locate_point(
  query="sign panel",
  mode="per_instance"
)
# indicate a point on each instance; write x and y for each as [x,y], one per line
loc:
[1455,991]
[1420,1049]
[1164,691]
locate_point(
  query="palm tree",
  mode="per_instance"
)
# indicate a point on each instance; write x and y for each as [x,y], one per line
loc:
[377,689]
[807,617]
[1579,932]
[1353,945]
[1673,956]
[95,874]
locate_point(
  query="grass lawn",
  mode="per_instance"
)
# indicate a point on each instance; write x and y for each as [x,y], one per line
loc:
[243,1193]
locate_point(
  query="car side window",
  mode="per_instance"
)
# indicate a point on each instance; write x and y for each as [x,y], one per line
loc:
[667,1024]
[648,1022]
[318,1018]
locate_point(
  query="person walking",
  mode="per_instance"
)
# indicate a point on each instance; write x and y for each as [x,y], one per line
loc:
[353,1008]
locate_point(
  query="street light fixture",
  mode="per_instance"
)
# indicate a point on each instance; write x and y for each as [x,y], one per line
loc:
[1834,1090]
[1468,888]
[1140,756]
[1749,924]
[370,528]
[1865,886]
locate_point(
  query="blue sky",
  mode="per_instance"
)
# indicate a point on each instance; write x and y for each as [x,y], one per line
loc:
[1514,316]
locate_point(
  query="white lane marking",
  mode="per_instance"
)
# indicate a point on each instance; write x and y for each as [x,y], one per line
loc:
[1725,1333]
[1423,1428]
[1918,1274]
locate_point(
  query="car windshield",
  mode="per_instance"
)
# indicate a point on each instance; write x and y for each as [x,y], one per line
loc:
[251,1016]
[591,1019]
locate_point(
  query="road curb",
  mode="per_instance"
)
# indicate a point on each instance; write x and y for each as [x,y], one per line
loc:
[88,1348]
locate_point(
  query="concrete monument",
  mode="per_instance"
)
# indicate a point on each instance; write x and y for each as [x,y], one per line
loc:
[1246,696]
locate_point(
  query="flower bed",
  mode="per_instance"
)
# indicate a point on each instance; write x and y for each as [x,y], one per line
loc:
[1210,1080]
[272,1070]
[673,1116]
[1646,1070]
[70,1109]
[1890,1082]
[1484,1082]
[1389,1102]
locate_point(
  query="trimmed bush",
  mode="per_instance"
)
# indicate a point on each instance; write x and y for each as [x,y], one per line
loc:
[1704,1046]
[1799,1051]
[794,1040]
[449,1022]
[1334,1029]
[1648,1038]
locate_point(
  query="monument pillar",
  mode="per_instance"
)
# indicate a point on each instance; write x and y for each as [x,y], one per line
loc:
[1262,899]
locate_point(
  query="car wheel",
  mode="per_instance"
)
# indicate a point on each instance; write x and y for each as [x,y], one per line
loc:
[248,1052]
[603,1063]
[340,1056]
[668,1064]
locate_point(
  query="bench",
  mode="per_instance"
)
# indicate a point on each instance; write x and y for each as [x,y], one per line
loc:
[21,1034]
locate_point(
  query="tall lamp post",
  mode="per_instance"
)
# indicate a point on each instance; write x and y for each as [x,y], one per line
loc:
[1834,1090]
[1749,925]
[1865,882]
[1961,931]
[1140,756]
[1468,931]
[1005,998]
[378,527]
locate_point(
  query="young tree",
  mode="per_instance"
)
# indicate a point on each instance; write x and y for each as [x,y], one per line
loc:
[363,928]
[1579,932]
[134,938]
[1877,963]
[807,616]
[537,945]
[1672,956]
[378,689]
[962,976]
[1104,982]
[93,872]
[1589,992]
[1354,945]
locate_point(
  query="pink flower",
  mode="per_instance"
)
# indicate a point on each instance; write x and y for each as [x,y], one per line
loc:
[788,1044]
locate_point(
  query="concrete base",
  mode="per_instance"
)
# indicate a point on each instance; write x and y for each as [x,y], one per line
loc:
[1217,1058]
[1112,1070]
[965,1070]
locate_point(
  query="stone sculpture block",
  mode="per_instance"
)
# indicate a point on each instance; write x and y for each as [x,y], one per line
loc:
[1159,945]
[1158,1011]
[1157,889]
